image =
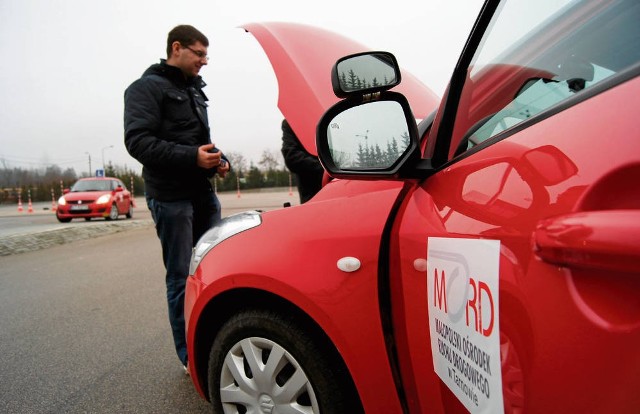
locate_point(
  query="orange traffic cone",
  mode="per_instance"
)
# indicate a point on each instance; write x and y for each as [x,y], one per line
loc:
[30,209]
[19,204]
[290,186]
[54,207]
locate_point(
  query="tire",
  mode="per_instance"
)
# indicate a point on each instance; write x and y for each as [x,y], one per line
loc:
[113,213]
[63,220]
[87,219]
[129,211]
[257,352]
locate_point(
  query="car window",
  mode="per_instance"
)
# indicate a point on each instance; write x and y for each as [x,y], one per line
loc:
[534,57]
[92,185]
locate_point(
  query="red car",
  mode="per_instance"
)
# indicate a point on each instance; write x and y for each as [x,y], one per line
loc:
[100,197]
[485,259]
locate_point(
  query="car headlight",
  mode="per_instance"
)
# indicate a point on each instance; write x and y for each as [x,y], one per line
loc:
[229,226]
[103,199]
[62,201]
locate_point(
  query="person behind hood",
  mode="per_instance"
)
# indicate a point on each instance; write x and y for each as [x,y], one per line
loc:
[306,167]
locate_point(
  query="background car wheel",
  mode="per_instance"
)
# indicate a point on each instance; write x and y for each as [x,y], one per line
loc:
[262,361]
[129,212]
[63,220]
[113,213]
[87,219]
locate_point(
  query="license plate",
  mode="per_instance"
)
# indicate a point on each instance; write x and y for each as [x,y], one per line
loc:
[80,208]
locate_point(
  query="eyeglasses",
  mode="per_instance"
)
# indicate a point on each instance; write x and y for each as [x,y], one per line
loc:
[198,53]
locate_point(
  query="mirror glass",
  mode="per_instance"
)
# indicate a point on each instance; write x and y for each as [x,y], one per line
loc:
[368,71]
[370,136]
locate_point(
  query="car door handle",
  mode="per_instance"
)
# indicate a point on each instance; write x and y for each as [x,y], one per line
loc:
[604,240]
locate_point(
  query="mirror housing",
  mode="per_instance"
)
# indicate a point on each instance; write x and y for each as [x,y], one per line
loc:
[372,139]
[364,73]
[372,134]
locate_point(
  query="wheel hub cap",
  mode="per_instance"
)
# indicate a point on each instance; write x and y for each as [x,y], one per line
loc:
[266,404]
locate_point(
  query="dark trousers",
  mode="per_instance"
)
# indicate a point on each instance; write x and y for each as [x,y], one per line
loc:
[179,225]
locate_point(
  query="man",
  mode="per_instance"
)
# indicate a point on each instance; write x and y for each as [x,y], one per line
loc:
[305,166]
[167,131]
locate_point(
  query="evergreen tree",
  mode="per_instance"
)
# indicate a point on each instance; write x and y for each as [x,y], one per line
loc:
[406,141]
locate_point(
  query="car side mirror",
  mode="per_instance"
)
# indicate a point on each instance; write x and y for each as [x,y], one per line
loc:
[118,189]
[371,139]
[372,133]
[364,73]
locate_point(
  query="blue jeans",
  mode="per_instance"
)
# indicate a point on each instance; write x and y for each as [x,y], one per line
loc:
[179,225]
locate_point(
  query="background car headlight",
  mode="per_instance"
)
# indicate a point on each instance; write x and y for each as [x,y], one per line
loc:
[229,226]
[103,199]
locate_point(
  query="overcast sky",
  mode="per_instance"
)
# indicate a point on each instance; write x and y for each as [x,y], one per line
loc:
[66,64]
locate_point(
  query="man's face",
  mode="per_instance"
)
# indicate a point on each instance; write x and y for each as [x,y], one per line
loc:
[189,58]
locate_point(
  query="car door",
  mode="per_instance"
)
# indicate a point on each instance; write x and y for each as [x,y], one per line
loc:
[122,198]
[517,263]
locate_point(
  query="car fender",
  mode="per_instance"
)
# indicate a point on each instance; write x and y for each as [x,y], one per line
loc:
[303,272]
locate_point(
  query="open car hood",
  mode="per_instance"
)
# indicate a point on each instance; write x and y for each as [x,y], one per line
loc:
[302,57]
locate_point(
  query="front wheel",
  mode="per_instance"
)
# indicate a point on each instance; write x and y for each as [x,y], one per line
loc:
[63,220]
[113,213]
[262,361]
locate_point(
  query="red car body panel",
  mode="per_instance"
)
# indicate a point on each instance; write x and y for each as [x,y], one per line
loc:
[302,57]
[562,197]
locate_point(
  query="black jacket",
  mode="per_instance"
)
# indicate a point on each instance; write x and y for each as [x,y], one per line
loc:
[165,121]
[305,166]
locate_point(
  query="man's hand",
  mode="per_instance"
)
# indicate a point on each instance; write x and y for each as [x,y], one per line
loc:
[223,168]
[207,158]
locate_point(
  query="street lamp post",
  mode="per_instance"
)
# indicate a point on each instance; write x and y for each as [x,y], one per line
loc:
[104,148]
[89,163]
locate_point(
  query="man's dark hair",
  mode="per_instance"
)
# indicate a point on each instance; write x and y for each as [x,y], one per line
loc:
[186,35]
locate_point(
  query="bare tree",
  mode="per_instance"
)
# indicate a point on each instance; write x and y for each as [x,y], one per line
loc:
[270,160]
[238,161]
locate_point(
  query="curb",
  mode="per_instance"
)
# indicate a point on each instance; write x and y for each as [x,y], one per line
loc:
[23,243]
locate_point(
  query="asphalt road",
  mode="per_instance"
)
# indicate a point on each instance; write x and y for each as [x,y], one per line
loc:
[84,327]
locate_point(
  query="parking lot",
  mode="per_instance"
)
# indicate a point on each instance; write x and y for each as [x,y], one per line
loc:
[84,326]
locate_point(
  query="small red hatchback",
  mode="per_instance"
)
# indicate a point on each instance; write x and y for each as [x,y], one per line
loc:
[100,197]
[485,259]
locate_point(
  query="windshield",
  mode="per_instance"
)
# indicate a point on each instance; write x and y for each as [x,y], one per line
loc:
[93,185]
[534,57]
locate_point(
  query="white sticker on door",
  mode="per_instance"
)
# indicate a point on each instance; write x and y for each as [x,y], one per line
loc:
[462,283]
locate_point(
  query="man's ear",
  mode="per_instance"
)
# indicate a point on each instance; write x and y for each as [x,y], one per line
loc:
[175,47]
